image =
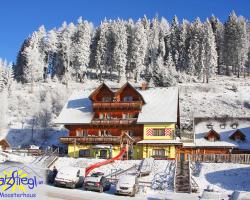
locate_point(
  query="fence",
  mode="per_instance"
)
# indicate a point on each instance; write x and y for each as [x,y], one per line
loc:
[220,158]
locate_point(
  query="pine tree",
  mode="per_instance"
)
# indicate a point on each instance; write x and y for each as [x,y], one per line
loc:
[120,48]
[174,41]
[209,56]
[218,30]
[101,52]
[81,43]
[35,58]
[194,49]
[138,50]
[235,45]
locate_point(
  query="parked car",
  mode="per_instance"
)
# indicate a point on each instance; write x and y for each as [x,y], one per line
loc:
[127,185]
[70,177]
[210,194]
[97,182]
[238,195]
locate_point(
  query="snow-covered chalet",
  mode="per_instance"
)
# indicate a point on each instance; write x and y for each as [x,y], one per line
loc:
[103,121]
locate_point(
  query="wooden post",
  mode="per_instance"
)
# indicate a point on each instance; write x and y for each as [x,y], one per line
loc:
[75,148]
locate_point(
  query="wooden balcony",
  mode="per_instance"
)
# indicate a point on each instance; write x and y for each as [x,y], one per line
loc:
[100,106]
[96,140]
[113,122]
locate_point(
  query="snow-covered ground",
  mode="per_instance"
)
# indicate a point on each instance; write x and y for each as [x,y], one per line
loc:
[222,96]
[160,167]
[224,177]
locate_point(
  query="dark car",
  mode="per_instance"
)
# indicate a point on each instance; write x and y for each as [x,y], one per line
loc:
[97,182]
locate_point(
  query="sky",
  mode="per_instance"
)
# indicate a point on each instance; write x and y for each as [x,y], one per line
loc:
[19,18]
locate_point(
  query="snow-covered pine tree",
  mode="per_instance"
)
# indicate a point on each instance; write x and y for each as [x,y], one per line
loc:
[218,30]
[175,40]
[120,49]
[153,51]
[209,56]
[81,44]
[4,108]
[93,50]
[101,52]
[183,45]
[235,43]
[130,31]
[138,50]
[165,35]
[35,58]
[66,52]
[194,49]
[52,44]
[164,74]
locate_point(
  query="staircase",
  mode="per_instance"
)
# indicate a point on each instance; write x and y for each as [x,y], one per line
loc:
[182,177]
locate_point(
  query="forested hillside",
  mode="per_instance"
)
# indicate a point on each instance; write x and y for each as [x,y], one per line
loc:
[156,51]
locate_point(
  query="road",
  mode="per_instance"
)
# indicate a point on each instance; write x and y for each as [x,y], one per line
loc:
[55,193]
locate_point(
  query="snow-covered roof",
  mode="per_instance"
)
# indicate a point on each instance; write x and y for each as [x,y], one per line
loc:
[159,142]
[225,130]
[161,105]
[78,109]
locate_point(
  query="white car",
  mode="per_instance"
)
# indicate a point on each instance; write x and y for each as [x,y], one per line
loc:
[237,195]
[70,177]
[210,195]
[127,185]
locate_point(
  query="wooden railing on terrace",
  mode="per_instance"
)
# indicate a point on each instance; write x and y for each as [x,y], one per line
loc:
[220,158]
[96,140]
[135,105]
[105,122]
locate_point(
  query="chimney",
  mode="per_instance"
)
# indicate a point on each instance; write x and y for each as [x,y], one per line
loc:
[144,86]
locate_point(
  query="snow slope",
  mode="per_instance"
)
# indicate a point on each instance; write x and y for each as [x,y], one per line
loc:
[224,177]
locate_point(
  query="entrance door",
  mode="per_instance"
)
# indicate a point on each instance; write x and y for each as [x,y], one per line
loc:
[182,157]
[103,153]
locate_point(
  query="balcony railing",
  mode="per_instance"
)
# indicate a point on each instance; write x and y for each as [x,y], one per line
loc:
[96,140]
[113,122]
[135,105]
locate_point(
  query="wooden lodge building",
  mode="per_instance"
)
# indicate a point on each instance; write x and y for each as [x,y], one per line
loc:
[102,121]
[218,135]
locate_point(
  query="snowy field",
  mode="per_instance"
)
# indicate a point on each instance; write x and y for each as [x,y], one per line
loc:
[224,177]
[222,96]
[160,167]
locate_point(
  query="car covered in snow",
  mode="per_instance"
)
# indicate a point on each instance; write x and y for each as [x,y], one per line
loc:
[239,195]
[71,177]
[127,185]
[97,182]
[210,194]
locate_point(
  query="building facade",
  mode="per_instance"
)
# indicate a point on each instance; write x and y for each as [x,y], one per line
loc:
[102,121]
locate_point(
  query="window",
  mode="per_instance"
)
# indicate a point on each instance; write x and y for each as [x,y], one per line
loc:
[84,153]
[127,98]
[223,126]
[104,133]
[234,125]
[127,115]
[79,133]
[209,126]
[212,139]
[106,99]
[158,132]
[104,116]
[159,152]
